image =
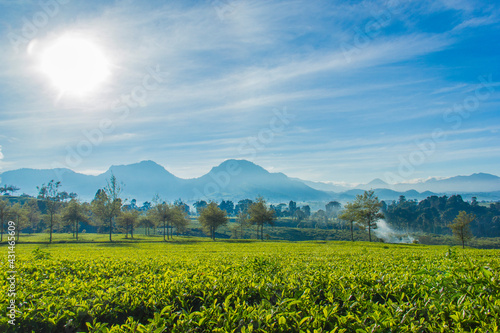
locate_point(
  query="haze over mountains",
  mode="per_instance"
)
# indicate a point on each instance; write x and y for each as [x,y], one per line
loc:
[239,179]
[477,182]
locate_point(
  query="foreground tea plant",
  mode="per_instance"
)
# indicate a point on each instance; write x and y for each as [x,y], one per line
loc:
[256,287]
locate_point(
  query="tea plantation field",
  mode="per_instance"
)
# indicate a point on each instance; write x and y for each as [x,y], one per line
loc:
[203,286]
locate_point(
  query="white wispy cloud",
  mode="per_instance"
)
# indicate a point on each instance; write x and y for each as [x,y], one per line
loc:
[223,76]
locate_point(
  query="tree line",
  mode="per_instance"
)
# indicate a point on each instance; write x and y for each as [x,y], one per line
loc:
[109,213]
[435,214]
[367,210]
[54,209]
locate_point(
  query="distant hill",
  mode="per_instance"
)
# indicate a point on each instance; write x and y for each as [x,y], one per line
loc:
[322,186]
[28,180]
[384,194]
[477,182]
[481,185]
[376,183]
[233,179]
[240,179]
[250,180]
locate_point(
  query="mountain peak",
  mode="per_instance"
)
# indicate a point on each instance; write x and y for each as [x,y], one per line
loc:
[242,162]
[145,163]
[485,176]
[239,166]
[245,179]
[143,169]
[378,182]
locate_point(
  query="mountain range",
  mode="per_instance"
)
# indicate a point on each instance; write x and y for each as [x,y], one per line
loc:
[233,179]
[239,179]
[477,182]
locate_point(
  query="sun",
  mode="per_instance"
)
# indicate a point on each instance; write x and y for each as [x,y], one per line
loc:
[74,65]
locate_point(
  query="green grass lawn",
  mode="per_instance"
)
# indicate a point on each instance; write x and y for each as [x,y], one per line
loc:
[85,237]
[271,233]
[197,285]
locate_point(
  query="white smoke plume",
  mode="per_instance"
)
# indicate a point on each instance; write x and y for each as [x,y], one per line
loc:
[389,235]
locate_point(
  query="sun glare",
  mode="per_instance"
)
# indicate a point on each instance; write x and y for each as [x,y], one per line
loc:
[74,65]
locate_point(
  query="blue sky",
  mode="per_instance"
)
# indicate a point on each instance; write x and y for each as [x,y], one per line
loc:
[341,91]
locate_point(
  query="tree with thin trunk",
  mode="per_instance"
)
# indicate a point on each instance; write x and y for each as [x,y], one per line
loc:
[51,196]
[128,220]
[260,215]
[299,216]
[146,222]
[460,227]
[107,204]
[74,213]
[351,215]
[4,214]
[321,219]
[369,211]
[162,213]
[243,221]
[212,217]
[179,220]
[18,215]
[32,213]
